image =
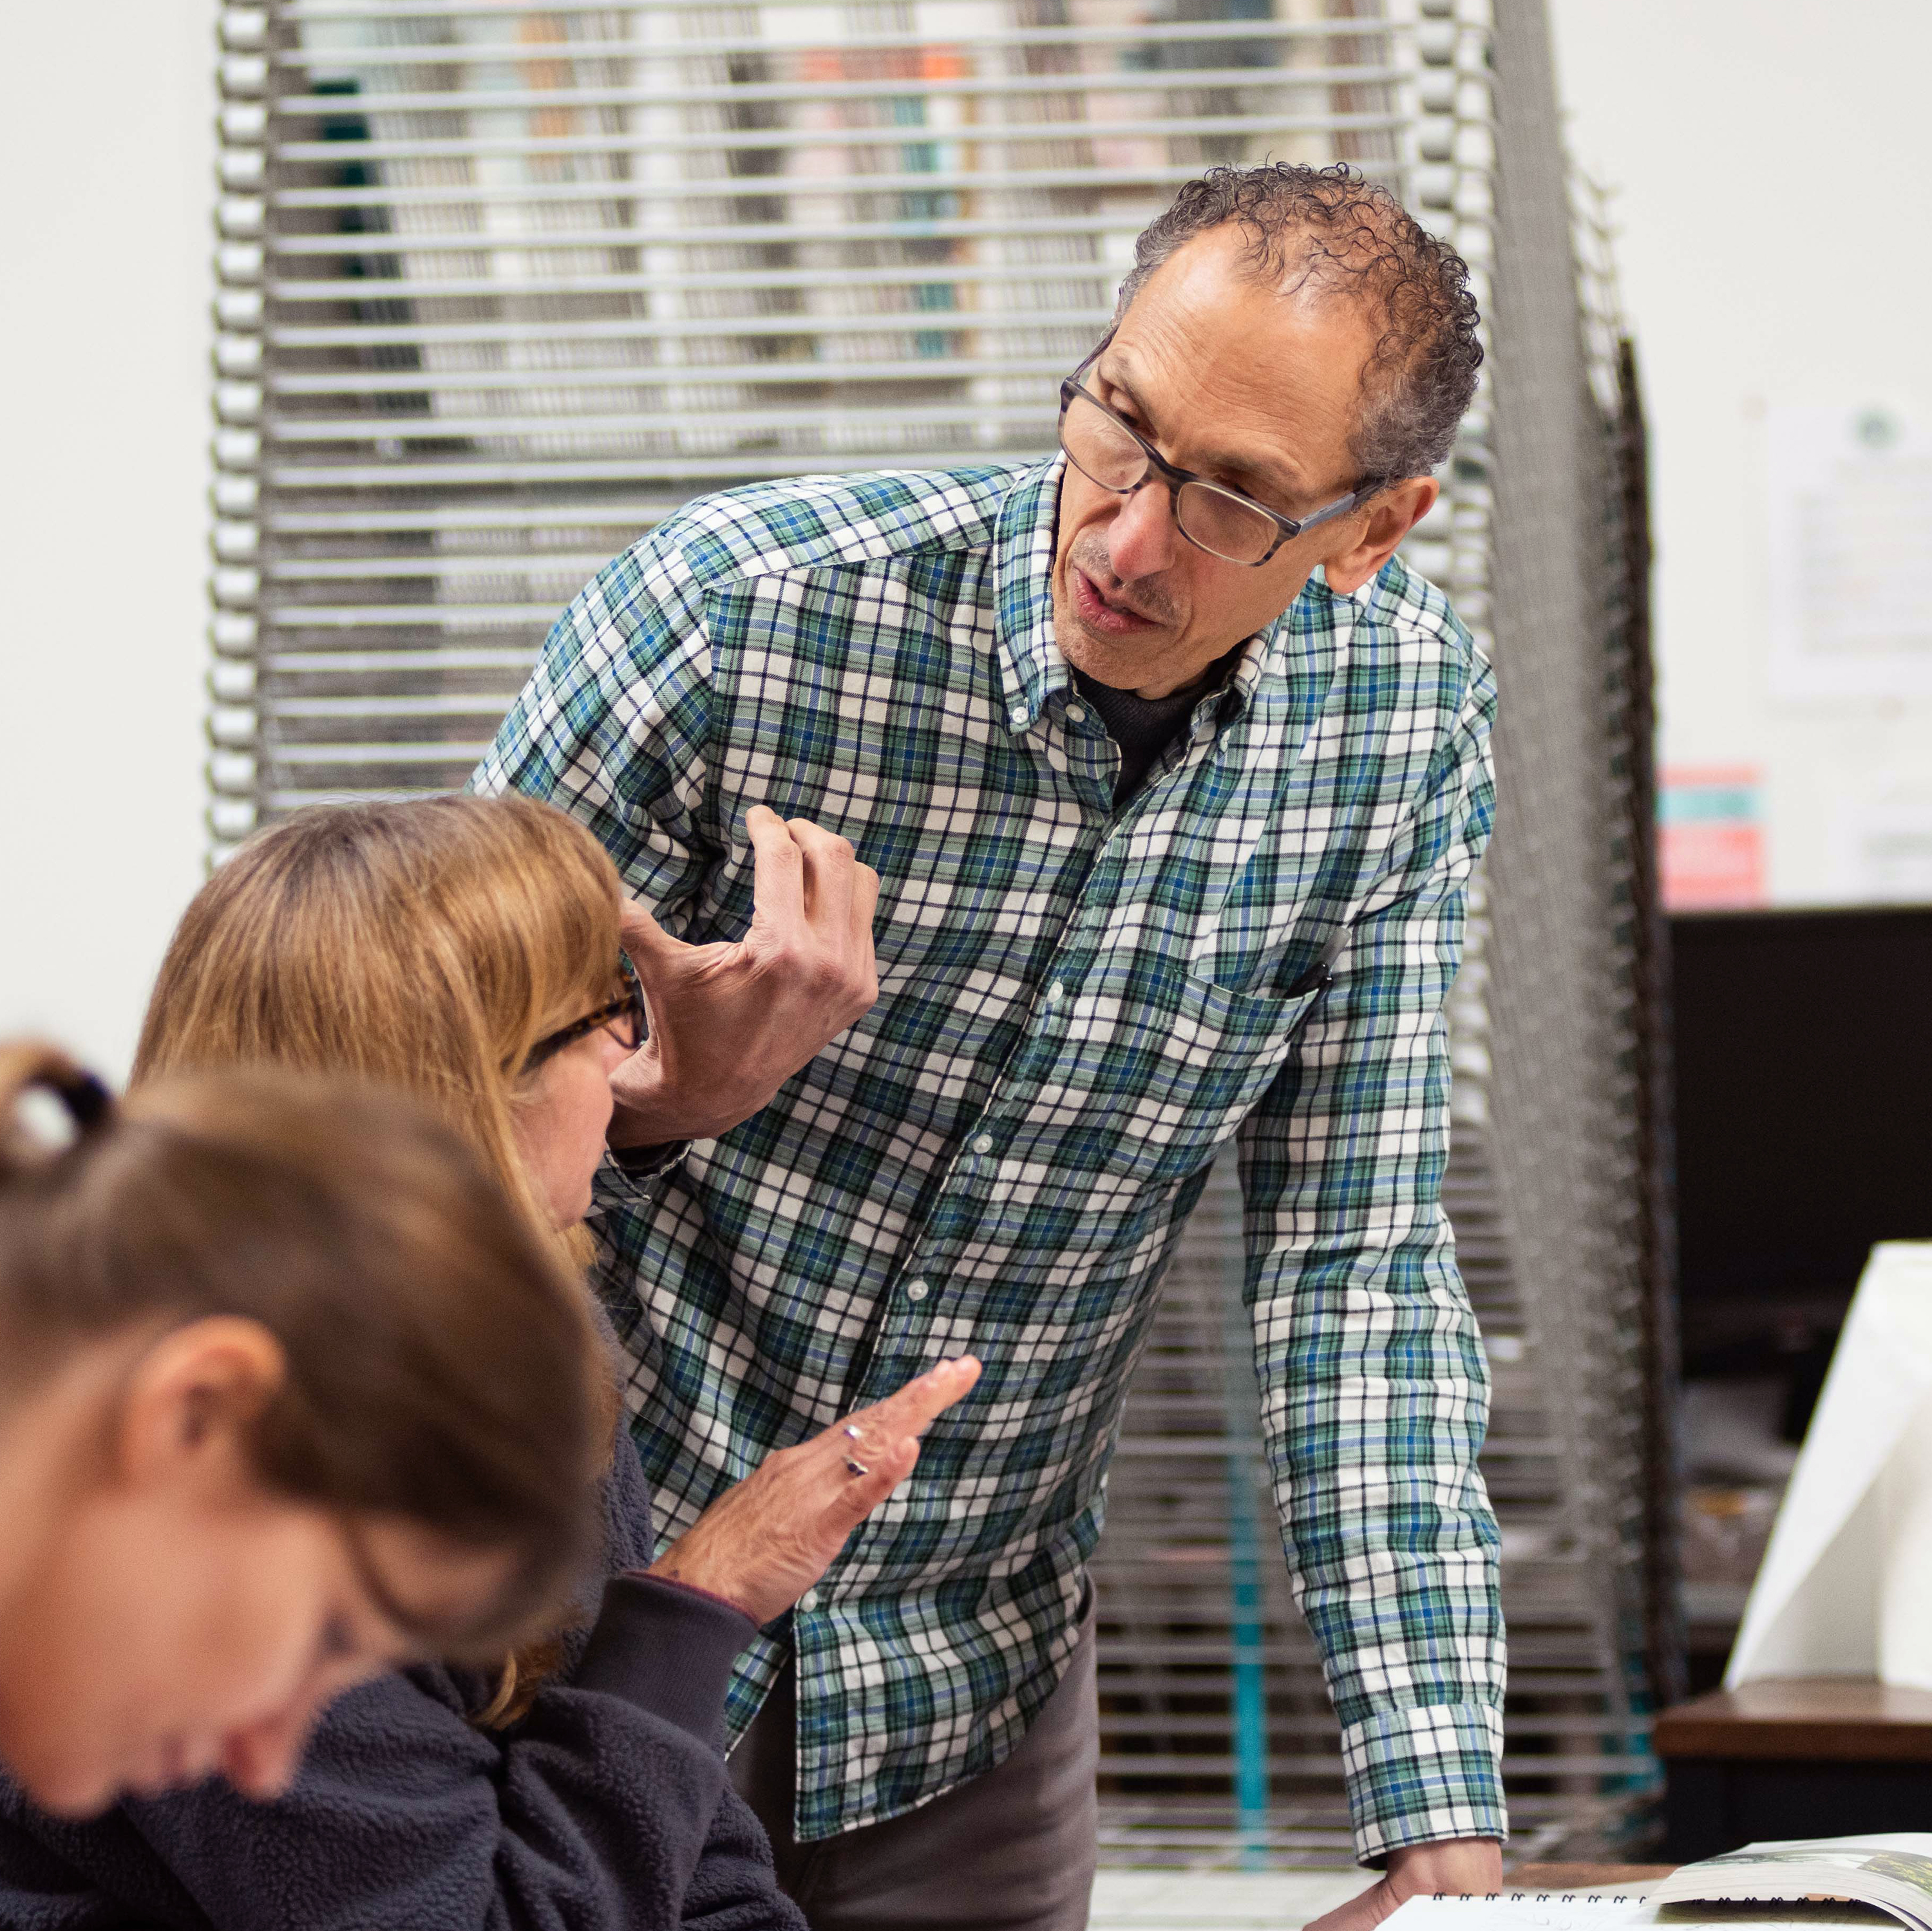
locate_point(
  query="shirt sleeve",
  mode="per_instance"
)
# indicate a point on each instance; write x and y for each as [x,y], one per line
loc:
[613,725]
[1375,1388]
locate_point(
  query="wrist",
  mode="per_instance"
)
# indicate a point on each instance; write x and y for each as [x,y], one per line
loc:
[695,1577]
[650,1111]
[658,1574]
[1455,1866]
[646,1111]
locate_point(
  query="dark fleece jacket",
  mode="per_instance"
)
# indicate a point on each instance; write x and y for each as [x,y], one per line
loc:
[606,1809]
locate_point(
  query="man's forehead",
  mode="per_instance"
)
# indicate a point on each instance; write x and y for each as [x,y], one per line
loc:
[1265,423]
[1255,445]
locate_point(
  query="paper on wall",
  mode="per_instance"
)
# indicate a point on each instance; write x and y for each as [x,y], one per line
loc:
[1851,527]
[1846,1586]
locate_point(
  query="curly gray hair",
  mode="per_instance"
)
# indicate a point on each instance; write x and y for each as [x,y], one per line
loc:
[1332,225]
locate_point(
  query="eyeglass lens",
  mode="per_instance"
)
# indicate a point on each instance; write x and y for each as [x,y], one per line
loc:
[627,1027]
[1101,449]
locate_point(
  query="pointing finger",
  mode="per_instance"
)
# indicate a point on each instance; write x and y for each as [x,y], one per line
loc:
[913,1409]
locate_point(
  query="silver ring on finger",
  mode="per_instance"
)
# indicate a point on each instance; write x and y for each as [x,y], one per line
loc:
[855,1431]
[855,1467]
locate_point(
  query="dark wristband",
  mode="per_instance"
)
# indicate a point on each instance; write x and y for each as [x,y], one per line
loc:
[647,1163]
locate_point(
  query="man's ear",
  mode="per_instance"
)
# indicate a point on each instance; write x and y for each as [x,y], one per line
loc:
[187,1400]
[1371,536]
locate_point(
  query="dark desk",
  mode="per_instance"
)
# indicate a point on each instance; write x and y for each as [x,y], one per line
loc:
[1821,1756]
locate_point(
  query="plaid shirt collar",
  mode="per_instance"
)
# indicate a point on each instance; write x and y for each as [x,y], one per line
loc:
[1031,666]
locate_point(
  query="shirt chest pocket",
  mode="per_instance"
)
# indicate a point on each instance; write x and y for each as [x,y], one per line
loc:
[1185,1061]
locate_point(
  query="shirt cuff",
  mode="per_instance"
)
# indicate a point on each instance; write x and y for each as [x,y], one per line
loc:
[668,1650]
[1418,1776]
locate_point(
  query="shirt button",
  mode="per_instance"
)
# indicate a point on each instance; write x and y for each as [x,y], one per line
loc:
[1076,714]
[915,1290]
[1056,992]
[984,1144]
[1017,719]
[809,1600]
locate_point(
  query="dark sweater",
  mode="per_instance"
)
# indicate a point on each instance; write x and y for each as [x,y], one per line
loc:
[1142,728]
[607,1806]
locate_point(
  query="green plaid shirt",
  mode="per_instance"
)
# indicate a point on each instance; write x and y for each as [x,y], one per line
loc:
[1077,1006]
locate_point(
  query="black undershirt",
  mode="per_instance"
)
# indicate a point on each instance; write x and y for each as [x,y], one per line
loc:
[1144,728]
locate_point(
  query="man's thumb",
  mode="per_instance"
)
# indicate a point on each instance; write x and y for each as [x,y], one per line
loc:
[641,936]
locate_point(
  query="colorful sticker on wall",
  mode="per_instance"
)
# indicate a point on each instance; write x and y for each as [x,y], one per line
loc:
[1710,849]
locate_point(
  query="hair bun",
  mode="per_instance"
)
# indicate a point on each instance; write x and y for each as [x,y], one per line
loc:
[30,1065]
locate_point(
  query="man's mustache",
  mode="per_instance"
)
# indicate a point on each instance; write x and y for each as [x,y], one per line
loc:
[1089,554]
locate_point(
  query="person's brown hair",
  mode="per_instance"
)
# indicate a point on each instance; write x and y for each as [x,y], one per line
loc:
[430,942]
[440,1364]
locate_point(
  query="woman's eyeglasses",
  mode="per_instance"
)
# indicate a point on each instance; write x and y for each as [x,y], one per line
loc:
[622,1018]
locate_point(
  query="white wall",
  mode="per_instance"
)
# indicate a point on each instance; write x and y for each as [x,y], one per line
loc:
[106,151]
[1774,164]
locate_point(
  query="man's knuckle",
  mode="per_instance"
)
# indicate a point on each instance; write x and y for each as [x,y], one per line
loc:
[823,974]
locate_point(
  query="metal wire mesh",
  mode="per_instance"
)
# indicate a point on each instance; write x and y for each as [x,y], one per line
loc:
[502,285]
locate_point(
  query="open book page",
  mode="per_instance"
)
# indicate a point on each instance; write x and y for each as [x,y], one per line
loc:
[1892,1871]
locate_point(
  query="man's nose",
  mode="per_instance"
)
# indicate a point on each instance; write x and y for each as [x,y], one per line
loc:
[1141,541]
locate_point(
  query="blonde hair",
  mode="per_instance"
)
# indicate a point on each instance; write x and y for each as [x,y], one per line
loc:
[430,943]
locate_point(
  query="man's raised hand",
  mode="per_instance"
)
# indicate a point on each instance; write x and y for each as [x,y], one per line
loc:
[730,1023]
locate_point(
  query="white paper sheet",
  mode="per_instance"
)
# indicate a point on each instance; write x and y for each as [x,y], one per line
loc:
[1851,527]
[1583,1913]
[1846,1586]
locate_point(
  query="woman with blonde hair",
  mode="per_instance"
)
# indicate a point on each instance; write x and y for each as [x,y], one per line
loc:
[469,949]
[288,1394]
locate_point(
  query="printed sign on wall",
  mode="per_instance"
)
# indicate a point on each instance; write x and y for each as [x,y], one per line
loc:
[1710,838]
[1851,552]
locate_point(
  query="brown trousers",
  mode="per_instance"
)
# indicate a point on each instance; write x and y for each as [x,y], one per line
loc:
[1011,1851]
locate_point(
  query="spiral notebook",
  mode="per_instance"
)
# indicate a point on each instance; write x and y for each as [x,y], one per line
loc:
[1579,1911]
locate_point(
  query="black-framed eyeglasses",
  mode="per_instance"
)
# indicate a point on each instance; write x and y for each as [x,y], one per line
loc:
[1213,517]
[622,1018]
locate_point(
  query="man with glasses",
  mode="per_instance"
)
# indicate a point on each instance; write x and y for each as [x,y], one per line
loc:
[1173,777]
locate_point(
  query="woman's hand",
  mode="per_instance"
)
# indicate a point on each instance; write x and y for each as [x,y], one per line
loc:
[762,1545]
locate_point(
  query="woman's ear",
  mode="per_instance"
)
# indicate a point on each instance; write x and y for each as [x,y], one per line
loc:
[190,1397]
[1388,517]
